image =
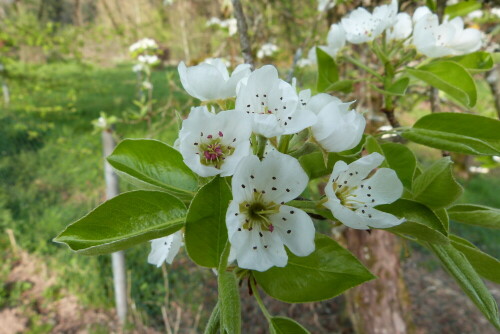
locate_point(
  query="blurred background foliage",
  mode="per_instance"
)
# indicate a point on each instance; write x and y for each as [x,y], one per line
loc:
[66,61]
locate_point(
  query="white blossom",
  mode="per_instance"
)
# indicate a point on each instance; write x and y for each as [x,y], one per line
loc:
[337,128]
[210,80]
[352,196]
[361,26]
[148,59]
[165,249]
[138,68]
[272,103]
[475,14]
[214,144]
[267,50]
[401,29]
[230,24]
[258,221]
[449,38]
[495,11]
[144,44]
[324,5]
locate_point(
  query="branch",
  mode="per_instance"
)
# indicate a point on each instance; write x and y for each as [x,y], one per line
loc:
[246,49]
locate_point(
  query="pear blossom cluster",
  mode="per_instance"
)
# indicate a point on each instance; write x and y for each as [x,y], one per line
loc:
[241,142]
[421,31]
[145,52]
[230,24]
[267,50]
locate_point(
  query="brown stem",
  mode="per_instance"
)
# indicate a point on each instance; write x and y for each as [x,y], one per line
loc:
[246,48]
[391,117]
[434,99]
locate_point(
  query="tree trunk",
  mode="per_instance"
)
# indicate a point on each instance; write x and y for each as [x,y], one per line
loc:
[381,306]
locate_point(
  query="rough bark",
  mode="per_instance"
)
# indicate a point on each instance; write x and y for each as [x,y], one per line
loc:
[246,48]
[381,306]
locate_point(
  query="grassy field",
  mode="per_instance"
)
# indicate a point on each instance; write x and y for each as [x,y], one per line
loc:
[51,174]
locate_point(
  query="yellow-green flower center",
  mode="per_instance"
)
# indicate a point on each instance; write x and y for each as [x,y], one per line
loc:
[257,212]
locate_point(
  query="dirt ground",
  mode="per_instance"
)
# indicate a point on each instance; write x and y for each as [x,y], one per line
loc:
[438,305]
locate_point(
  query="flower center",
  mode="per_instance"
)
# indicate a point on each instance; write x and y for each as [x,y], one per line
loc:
[346,196]
[257,213]
[213,152]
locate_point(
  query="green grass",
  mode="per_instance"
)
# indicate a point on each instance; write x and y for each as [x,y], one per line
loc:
[51,169]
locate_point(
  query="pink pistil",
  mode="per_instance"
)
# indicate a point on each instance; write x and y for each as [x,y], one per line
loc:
[213,152]
[221,134]
[271,228]
[209,136]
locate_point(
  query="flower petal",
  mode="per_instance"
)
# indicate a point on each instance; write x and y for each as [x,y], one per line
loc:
[347,216]
[202,81]
[378,219]
[296,230]
[383,187]
[359,169]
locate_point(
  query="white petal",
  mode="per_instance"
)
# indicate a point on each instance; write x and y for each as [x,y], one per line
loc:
[298,121]
[339,168]
[242,183]
[296,230]
[266,125]
[282,177]
[318,101]
[378,219]
[336,37]
[383,187]
[347,216]
[165,249]
[359,169]
[258,250]
[202,81]
[240,72]
[338,130]
[420,12]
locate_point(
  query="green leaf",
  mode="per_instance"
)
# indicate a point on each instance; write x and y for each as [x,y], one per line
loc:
[484,264]
[372,145]
[421,222]
[457,132]
[314,163]
[470,282]
[206,232]
[442,214]
[154,165]
[344,86]
[283,325]
[326,273]
[328,72]
[462,8]
[476,62]
[473,214]
[124,221]
[399,86]
[450,77]
[402,160]
[229,299]
[213,323]
[436,187]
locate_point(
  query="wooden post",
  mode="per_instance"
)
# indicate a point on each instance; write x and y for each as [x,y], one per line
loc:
[117,258]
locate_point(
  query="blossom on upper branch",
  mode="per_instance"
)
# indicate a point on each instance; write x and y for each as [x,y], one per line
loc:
[338,128]
[449,38]
[210,80]
[165,249]
[258,221]
[214,144]
[361,26]
[272,103]
[352,196]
